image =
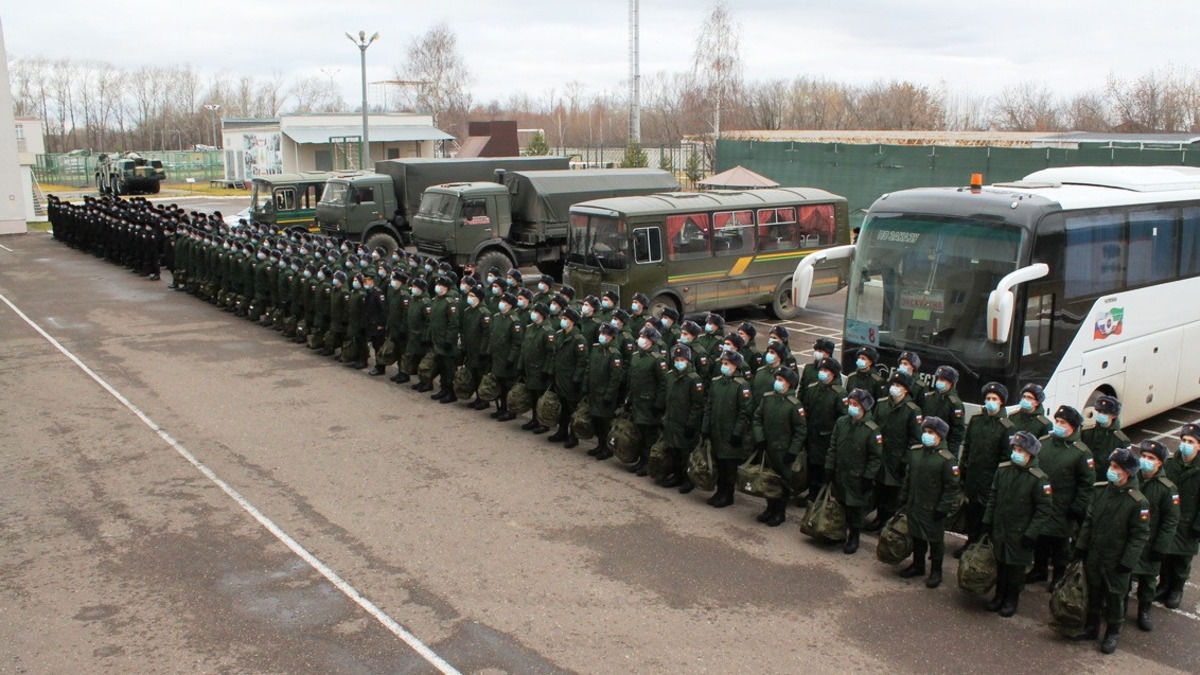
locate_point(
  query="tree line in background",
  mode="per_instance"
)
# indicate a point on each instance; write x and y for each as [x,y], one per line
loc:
[94,105]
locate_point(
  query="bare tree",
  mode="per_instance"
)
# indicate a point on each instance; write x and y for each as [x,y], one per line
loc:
[315,94]
[717,61]
[1087,112]
[442,78]
[1029,106]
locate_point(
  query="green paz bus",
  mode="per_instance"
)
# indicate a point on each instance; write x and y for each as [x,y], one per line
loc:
[706,251]
[288,200]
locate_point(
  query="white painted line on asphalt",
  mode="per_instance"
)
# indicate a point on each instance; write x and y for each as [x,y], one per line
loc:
[349,591]
[1194,617]
[6,248]
[1164,434]
[1191,410]
[1180,422]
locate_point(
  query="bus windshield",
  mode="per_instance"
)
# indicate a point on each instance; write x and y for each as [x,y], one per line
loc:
[335,192]
[921,283]
[260,197]
[598,241]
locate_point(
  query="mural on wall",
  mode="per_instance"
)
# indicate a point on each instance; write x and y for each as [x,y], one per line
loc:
[261,155]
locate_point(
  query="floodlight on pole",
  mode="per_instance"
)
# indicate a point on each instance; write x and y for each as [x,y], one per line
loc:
[362,43]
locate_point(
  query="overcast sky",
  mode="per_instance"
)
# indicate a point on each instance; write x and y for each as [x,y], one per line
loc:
[536,45]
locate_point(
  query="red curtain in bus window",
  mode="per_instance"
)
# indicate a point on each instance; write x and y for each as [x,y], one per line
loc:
[817,225]
[688,236]
[777,229]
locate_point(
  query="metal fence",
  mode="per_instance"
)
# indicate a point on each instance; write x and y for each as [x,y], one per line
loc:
[670,157]
[79,169]
[862,173]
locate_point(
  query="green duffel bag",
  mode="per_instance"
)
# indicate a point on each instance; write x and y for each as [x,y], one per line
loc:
[386,355]
[581,421]
[701,469]
[757,479]
[659,464]
[1068,602]
[549,407]
[895,541]
[825,518]
[302,329]
[315,341]
[290,324]
[800,473]
[427,367]
[519,400]
[624,439]
[408,363]
[957,521]
[977,568]
[349,350]
[464,383]
[488,389]
[329,341]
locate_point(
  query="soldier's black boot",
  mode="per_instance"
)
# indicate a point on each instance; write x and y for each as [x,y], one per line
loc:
[505,414]
[1012,596]
[1109,645]
[1091,629]
[1001,589]
[851,545]
[877,523]
[451,397]
[572,440]
[766,514]
[1144,622]
[1056,576]
[935,574]
[1040,561]
[400,377]
[917,568]
[528,426]
[778,512]
[1175,597]
[558,436]
[376,371]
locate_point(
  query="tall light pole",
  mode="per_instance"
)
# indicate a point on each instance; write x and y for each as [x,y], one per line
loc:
[635,77]
[214,109]
[362,43]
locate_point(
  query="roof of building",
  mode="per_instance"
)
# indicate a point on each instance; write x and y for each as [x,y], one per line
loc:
[378,133]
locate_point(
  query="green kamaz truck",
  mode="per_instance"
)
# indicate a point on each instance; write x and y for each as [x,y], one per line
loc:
[128,174]
[377,208]
[520,218]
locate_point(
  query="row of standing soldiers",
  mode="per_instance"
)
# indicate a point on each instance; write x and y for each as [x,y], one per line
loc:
[880,439]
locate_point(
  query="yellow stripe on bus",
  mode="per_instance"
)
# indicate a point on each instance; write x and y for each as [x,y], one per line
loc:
[740,266]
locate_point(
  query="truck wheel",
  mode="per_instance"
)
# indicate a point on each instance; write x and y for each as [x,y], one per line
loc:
[782,306]
[155,188]
[493,258]
[552,267]
[116,188]
[661,302]
[381,239]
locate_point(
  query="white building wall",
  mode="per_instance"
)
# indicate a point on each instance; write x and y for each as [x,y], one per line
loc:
[14,192]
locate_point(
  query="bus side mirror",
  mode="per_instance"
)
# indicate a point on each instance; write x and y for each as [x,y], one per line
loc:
[802,278]
[1001,301]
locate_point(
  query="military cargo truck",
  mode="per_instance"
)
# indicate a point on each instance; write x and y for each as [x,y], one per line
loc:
[377,208]
[520,218]
[127,174]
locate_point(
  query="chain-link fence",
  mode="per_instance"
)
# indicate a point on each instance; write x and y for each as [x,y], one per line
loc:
[79,169]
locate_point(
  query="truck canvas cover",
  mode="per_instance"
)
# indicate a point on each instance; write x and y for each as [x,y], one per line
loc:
[546,196]
[412,175]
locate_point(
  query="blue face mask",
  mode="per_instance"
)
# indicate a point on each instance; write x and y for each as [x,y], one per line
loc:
[685,339]
[991,406]
[895,391]
[770,358]
[563,323]
[356,285]
[710,328]
[941,385]
[726,370]
[1187,450]
[861,364]
[1148,465]
[928,439]
[603,339]
[1059,431]
[907,370]
[415,292]
[504,307]
[681,366]
[1103,419]
[1113,476]
[780,387]
[472,300]
[1018,457]
[824,376]
[1026,405]
[854,410]
[534,316]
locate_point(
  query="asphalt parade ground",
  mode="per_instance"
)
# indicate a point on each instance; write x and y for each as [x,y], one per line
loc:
[184,491]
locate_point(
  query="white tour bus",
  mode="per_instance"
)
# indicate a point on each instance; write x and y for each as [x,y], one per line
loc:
[1085,280]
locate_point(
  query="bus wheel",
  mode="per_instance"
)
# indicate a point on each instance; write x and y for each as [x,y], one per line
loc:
[1089,408]
[489,259]
[380,239]
[661,302]
[782,306]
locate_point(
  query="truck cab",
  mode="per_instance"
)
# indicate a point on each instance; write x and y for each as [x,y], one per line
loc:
[457,220]
[360,207]
[288,201]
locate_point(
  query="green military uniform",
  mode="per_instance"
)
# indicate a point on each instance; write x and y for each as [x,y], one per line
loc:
[356,327]
[504,347]
[1163,497]
[568,368]
[726,421]
[537,354]
[762,383]
[780,423]
[476,328]
[605,376]
[808,376]
[947,406]
[683,404]
[1068,463]
[1102,441]
[418,334]
[900,424]
[1177,564]
[1018,509]
[444,331]
[929,493]
[339,314]
[262,289]
[1112,538]
[824,404]
[870,381]
[321,297]
[1035,422]
[854,457]
[397,323]
[985,446]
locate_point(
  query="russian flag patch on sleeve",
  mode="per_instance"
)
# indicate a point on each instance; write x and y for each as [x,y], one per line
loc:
[1047,489]
[1145,513]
